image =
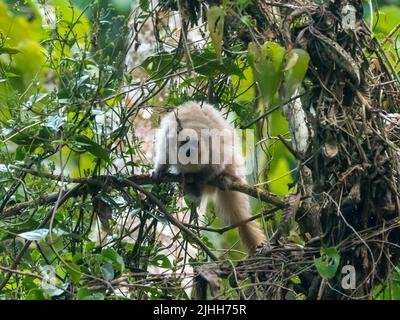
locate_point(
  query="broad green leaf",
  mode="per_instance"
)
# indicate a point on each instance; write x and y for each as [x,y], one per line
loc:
[295,280]
[158,65]
[5,50]
[115,258]
[245,86]
[267,64]
[387,20]
[162,261]
[215,17]
[328,263]
[92,147]
[295,70]
[108,271]
[206,63]
[248,21]
[84,294]
[98,296]
[36,294]
[40,234]
[73,270]
[35,255]
[242,3]
[36,235]
[144,5]
[11,75]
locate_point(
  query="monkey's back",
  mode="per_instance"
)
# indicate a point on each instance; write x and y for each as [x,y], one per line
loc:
[195,116]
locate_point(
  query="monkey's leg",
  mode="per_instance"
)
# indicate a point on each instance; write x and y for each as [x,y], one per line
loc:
[225,179]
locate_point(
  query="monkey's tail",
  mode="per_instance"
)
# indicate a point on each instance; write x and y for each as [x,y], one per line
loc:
[235,207]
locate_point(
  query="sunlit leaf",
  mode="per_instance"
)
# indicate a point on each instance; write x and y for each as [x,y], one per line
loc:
[36,235]
[328,263]
[85,294]
[162,261]
[36,294]
[267,64]
[40,234]
[207,63]
[5,50]
[295,70]
[115,258]
[215,17]
[92,147]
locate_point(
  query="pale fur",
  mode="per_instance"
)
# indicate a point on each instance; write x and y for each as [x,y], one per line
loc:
[232,206]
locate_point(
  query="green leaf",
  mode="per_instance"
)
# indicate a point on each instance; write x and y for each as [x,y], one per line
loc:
[73,272]
[98,296]
[36,294]
[89,246]
[5,50]
[267,65]
[35,235]
[35,255]
[295,280]
[248,21]
[162,261]
[36,98]
[84,294]
[115,258]
[206,63]
[215,17]
[108,271]
[11,75]
[328,263]
[92,147]
[144,5]
[385,19]
[295,70]
[243,3]
[158,65]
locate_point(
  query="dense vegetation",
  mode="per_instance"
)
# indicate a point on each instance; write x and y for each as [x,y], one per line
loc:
[83,82]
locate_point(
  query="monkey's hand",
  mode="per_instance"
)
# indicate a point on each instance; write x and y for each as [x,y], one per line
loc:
[225,180]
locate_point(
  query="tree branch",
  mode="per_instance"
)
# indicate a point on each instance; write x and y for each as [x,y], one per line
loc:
[268,214]
[137,180]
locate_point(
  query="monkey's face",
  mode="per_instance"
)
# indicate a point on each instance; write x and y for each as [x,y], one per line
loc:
[189,154]
[199,151]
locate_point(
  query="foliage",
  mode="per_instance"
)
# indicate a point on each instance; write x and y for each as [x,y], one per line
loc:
[54,79]
[70,107]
